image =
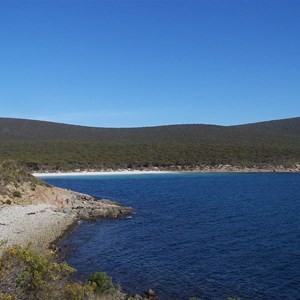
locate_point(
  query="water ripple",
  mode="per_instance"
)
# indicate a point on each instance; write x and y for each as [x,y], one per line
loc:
[195,235]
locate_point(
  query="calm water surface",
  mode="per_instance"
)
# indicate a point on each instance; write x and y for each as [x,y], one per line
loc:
[206,235]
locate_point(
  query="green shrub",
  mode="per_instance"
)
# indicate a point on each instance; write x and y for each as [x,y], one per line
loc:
[2,243]
[7,297]
[78,291]
[11,171]
[26,274]
[31,275]
[102,282]
[17,194]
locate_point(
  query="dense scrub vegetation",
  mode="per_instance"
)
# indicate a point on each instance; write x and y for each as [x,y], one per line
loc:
[46,145]
[26,274]
[12,172]
[12,178]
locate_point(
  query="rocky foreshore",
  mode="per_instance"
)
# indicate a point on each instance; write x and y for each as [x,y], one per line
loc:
[41,224]
[32,211]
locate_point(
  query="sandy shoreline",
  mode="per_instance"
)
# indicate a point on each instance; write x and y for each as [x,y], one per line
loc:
[100,173]
[224,169]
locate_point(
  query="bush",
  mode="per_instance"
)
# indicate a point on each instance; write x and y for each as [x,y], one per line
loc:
[17,194]
[26,274]
[6,297]
[78,291]
[11,171]
[29,275]
[102,282]
[7,202]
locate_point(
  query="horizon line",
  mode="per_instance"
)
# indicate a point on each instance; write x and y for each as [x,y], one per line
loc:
[147,126]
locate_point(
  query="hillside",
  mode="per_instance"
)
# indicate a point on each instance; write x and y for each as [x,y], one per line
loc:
[47,145]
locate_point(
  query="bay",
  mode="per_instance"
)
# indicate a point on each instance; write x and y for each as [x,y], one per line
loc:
[212,236]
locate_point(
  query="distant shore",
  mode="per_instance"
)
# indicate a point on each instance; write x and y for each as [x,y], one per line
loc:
[208,169]
[99,173]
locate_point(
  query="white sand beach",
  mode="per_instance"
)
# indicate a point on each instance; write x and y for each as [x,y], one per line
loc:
[100,173]
[207,169]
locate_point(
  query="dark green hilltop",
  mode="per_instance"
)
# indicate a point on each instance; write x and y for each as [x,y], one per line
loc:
[52,146]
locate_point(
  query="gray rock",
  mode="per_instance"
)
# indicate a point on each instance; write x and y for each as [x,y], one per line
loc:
[67,210]
[150,294]
[83,214]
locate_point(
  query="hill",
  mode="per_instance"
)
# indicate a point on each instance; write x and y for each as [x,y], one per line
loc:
[47,145]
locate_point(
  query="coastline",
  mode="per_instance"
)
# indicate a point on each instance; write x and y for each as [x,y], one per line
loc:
[46,221]
[34,212]
[50,215]
[44,225]
[100,173]
[200,170]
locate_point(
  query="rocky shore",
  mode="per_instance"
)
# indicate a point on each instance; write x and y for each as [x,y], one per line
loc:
[41,224]
[32,211]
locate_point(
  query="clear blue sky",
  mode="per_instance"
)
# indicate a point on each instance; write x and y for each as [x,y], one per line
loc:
[144,63]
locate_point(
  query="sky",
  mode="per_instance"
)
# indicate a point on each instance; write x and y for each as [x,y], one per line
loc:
[147,63]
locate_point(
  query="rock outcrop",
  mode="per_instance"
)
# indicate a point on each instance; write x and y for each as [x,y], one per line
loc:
[21,188]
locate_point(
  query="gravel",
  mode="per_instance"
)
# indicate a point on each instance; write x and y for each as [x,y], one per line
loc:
[37,224]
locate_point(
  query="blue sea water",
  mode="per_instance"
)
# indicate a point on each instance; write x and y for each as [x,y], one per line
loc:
[206,235]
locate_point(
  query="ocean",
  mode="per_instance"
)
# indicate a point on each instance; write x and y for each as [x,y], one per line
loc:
[211,236]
